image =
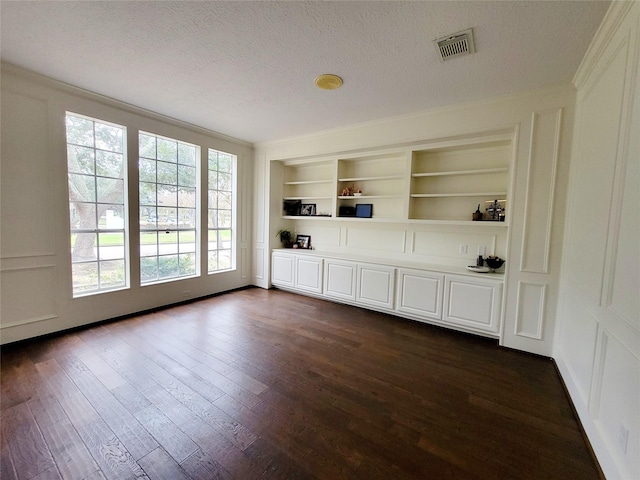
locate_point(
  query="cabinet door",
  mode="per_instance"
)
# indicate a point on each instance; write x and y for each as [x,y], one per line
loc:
[420,293]
[308,274]
[282,269]
[474,303]
[340,279]
[375,285]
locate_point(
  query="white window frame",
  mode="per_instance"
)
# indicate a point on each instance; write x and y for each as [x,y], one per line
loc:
[175,227]
[100,232]
[214,230]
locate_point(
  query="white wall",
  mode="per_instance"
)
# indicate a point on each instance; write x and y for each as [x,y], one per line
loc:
[598,340]
[35,254]
[541,123]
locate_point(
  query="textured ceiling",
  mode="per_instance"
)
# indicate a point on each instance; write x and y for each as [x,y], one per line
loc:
[247,69]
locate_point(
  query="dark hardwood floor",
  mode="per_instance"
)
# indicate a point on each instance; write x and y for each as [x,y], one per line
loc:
[260,384]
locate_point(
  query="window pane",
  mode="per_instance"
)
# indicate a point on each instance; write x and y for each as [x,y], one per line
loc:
[148,269]
[224,181]
[187,197]
[186,176]
[112,217]
[109,138]
[85,277]
[212,240]
[213,180]
[168,242]
[148,218]
[109,164]
[186,154]
[148,244]
[167,150]
[167,195]
[186,218]
[213,199]
[147,145]
[110,190]
[147,193]
[80,159]
[224,218]
[80,131]
[213,218]
[167,173]
[82,188]
[187,241]
[83,216]
[112,274]
[224,239]
[224,200]
[213,160]
[168,266]
[213,260]
[147,170]
[83,247]
[225,163]
[224,259]
[187,263]
[168,218]
[111,246]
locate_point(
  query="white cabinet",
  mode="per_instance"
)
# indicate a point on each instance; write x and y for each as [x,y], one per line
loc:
[473,303]
[420,293]
[308,274]
[340,279]
[302,272]
[376,285]
[282,269]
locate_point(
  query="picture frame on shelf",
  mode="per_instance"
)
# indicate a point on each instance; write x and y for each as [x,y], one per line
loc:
[308,209]
[364,210]
[291,208]
[303,241]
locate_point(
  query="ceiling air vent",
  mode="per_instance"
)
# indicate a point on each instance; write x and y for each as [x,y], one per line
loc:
[455,45]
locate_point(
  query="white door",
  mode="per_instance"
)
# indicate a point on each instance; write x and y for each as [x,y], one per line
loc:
[309,274]
[474,303]
[282,269]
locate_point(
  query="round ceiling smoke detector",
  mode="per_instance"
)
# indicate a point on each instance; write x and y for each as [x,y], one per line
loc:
[328,81]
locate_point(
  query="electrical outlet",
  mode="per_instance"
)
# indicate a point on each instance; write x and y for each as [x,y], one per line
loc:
[623,438]
[464,249]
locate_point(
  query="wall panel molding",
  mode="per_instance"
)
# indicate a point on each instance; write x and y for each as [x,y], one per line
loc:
[531,310]
[541,179]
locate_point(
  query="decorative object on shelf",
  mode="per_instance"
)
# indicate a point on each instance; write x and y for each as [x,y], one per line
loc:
[364,210]
[308,209]
[291,208]
[303,241]
[495,210]
[494,263]
[477,215]
[285,237]
[346,211]
[477,269]
[351,191]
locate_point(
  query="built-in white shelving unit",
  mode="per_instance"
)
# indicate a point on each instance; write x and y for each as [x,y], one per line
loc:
[435,183]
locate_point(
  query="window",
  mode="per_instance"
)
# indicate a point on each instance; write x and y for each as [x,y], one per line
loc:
[168,171]
[96,167]
[221,211]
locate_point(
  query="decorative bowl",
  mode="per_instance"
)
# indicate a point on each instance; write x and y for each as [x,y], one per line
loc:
[494,263]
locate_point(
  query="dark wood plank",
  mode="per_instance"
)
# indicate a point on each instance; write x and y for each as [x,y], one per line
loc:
[114,459]
[69,452]
[29,452]
[158,464]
